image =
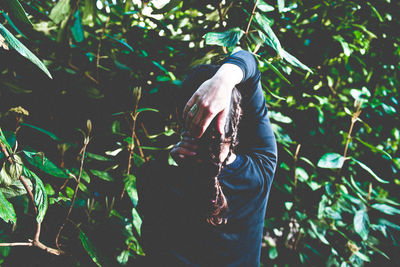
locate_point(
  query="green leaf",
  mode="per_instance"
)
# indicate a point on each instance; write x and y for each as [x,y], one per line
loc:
[39,192]
[361,224]
[85,176]
[130,187]
[15,10]
[60,11]
[331,161]
[281,5]
[15,189]
[7,212]
[10,139]
[123,43]
[362,256]
[90,248]
[102,175]
[277,116]
[170,5]
[373,148]
[77,29]
[293,60]
[228,38]
[365,167]
[301,174]
[264,7]
[375,11]
[42,163]
[137,221]
[22,50]
[97,157]
[269,37]
[13,25]
[5,177]
[140,110]
[318,234]
[385,208]
[346,49]
[273,253]
[272,67]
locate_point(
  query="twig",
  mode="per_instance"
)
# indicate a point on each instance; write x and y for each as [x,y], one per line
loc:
[251,18]
[221,19]
[35,242]
[295,164]
[140,149]
[99,48]
[131,146]
[85,143]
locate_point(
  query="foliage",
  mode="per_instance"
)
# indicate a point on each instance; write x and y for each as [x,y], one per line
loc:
[330,73]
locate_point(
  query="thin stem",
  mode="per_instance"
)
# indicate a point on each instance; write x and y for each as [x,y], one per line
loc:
[295,164]
[348,139]
[221,19]
[85,143]
[131,146]
[99,49]
[30,194]
[15,244]
[251,18]
[35,242]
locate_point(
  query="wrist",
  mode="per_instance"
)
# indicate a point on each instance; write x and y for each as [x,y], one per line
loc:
[229,74]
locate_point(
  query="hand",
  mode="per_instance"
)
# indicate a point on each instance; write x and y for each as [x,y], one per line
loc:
[212,99]
[185,149]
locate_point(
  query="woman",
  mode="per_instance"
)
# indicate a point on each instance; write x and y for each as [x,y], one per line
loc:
[210,210]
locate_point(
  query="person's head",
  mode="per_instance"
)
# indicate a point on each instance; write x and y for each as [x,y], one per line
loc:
[214,148]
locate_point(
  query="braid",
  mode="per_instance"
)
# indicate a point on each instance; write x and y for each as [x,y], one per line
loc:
[218,205]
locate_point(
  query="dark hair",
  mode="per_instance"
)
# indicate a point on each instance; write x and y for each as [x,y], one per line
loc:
[211,143]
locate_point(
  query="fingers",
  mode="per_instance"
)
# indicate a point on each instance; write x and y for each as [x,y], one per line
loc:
[221,121]
[187,147]
[200,122]
[188,106]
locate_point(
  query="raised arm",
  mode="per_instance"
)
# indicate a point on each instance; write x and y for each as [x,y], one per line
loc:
[212,98]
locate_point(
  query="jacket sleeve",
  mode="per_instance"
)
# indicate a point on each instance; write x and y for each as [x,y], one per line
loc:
[257,140]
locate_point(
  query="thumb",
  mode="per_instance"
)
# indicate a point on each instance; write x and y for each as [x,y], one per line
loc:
[221,120]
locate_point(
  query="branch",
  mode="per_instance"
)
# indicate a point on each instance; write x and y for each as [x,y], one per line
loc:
[35,242]
[85,143]
[251,18]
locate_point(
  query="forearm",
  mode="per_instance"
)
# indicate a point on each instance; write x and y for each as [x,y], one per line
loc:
[229,74]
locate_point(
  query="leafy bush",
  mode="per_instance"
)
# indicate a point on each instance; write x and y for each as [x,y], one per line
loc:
[330,74]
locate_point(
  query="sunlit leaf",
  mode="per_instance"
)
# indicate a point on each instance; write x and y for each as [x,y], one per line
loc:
[97,157]
[130,187]
[90,248]
[386,208]
[43,163]
[137,221]
[15,188]
[281,5]
[167,7]
[22,50]
[102,175]
[60,11]
[7,212]
[227,38]
[264,7]
[361,224]
[365,167]
[331,161]
[39,192]
[16,11]
[293,60]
